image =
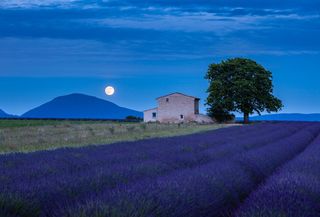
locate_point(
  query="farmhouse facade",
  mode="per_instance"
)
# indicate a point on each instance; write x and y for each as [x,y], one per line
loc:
[176,108]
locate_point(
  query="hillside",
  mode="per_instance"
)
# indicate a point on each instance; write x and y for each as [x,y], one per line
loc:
[5,115]
[287,117]
[80,106]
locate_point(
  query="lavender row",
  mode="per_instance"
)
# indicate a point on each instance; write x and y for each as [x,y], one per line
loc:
[34,192]
[44,168]
[128,151]
[68,186]
[213,189]
[293,191]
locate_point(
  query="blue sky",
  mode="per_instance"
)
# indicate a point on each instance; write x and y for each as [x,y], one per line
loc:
[150,48]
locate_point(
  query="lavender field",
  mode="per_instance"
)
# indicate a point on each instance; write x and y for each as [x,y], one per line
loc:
[262,170]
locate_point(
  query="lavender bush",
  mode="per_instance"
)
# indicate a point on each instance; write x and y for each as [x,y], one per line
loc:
[294,191]
[213,189]
[150,177]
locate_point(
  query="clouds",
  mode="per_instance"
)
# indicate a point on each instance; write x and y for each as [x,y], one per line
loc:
[191,4]
[36,3]
[121,19]
[204,21]
[136,30]
[187,5]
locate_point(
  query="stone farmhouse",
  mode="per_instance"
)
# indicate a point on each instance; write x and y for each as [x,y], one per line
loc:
[176,108]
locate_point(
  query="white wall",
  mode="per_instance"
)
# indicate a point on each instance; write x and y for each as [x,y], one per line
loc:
[148,117]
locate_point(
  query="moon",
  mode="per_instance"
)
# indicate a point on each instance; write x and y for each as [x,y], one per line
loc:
[109,90]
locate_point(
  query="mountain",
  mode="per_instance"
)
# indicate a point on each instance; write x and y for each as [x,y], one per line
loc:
[80,106]
[5,115]
[287,117]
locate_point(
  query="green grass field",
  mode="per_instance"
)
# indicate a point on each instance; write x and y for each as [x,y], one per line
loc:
[33,135]
[7,123]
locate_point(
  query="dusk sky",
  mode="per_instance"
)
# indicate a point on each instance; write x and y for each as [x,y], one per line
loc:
[148,48]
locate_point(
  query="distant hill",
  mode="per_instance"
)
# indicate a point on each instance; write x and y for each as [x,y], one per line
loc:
[287,117]
[5,115]
[80,106]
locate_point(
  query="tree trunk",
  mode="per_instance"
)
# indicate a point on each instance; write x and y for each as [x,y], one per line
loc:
[246,118]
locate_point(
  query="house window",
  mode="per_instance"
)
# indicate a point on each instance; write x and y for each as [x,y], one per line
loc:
[196,106]
[167,99]
[181,116]
[154,115]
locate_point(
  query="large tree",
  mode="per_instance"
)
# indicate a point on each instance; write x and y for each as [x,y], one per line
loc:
[240,85]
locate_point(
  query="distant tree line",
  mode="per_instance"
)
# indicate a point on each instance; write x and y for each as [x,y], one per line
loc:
[131,118]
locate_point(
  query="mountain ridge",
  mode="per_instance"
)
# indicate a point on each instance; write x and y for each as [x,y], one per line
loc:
[80,106]
[3,114]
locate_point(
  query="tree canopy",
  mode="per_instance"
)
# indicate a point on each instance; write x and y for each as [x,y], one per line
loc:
[240,85]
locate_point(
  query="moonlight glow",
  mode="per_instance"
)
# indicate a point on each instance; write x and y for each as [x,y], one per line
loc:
[109,90]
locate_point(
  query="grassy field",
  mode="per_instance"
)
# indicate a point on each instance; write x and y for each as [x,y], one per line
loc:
[33,135]
[7,123]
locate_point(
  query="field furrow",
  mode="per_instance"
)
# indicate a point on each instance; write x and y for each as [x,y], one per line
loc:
[213,189]
[208,174]
[293,191]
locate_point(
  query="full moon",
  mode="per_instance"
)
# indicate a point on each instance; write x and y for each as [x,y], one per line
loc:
[109,90]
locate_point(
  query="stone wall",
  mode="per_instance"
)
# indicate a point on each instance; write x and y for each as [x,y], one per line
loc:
[176,108]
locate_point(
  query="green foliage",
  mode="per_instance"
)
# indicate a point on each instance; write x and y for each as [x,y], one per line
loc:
[221,115]
[240,85]
[133,119]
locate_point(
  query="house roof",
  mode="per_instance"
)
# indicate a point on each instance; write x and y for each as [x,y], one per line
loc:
[151,109]
[179,94]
